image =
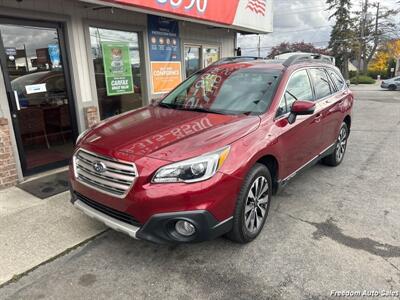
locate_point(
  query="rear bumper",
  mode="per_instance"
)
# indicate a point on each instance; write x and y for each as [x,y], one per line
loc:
[160,228]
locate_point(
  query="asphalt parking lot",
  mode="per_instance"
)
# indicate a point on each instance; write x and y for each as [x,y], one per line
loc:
[330,229]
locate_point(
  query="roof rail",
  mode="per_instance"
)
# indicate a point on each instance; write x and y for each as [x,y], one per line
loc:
[234,59]
[296,59]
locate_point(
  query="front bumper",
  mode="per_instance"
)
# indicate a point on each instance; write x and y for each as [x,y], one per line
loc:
[109,221]
[160,228]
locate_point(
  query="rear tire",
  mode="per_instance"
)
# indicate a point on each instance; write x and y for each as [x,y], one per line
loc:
[337,156]
[252,205]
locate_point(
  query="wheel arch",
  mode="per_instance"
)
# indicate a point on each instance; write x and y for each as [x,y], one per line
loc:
[271,162]
[347,120]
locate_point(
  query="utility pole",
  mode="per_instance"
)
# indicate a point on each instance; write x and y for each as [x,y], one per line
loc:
[377,20]
[259,46]
[376,37]
[362,38]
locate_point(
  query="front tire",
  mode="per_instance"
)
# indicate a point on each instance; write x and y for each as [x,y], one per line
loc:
[392,87]
[252,205]
[337,156]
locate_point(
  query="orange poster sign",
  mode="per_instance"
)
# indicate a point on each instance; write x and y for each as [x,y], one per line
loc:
[165,76]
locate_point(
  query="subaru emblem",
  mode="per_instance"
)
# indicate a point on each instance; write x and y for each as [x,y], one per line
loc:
[99,167]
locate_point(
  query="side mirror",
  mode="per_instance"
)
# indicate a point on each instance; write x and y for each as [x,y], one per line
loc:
[301,108]
[156,101]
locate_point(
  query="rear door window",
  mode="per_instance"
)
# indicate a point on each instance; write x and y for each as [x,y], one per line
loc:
[322,86]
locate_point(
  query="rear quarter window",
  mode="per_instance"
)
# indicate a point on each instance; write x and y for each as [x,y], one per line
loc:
[337,79]
[321,82]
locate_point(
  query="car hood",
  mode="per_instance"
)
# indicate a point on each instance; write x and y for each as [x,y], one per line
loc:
[167,134]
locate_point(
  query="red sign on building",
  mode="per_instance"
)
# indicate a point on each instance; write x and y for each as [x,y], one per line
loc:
[250,15]
[221,11]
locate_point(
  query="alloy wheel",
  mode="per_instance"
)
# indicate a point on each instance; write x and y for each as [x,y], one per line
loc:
[341,144]
[256,204]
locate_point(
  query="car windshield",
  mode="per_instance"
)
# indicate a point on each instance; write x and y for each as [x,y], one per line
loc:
[232,89]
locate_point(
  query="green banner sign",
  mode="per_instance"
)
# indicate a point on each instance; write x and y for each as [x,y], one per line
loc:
[117,68]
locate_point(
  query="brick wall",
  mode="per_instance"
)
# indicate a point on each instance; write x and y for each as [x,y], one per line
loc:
[8,168]
[91,116]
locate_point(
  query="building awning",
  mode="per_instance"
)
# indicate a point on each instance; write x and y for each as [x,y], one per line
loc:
[255,16]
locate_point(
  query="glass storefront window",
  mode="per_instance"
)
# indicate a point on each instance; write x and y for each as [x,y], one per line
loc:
[198,57]
[192,59]
[210,55]
[114,105]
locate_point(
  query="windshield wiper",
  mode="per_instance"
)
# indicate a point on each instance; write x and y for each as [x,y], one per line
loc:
[203,110]
[195,109]
[167,105]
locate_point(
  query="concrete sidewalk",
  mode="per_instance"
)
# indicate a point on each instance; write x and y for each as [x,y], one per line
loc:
[33,231]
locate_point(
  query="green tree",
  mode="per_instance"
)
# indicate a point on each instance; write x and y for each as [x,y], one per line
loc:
[342,35]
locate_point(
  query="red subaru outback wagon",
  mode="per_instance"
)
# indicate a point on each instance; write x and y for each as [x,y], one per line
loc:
[206,160]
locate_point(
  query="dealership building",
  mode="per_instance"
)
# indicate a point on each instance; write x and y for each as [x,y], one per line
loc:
[67,64]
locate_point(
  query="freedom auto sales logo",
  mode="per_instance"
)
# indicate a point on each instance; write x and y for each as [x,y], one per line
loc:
[189,5]
[257,6]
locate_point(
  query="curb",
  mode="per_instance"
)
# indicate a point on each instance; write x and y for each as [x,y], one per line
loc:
[17,277]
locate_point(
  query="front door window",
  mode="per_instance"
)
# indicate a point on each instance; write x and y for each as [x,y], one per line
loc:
[36,83]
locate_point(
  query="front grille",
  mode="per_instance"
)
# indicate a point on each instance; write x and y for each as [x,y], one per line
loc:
[123,217]
[115,177]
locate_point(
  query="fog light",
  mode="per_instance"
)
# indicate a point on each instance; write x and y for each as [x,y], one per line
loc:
[185,228]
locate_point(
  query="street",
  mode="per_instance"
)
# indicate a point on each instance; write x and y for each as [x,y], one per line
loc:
[330,229]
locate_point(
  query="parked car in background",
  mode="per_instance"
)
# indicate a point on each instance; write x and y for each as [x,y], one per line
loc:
[207,159]
[391,84]
[53,82]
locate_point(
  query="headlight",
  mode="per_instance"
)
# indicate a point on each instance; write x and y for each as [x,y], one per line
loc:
[193,170]
[80,136]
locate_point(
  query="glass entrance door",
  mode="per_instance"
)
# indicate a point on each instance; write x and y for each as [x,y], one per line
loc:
[39,99]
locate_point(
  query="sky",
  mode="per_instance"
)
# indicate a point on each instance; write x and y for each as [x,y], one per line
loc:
[297,21]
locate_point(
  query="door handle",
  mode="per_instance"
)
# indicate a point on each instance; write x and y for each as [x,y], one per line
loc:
[318,118]
[17,100]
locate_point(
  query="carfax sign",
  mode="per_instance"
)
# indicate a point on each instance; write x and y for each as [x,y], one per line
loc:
[117,68]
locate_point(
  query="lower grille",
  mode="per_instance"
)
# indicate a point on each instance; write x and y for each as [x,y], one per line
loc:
[123,217]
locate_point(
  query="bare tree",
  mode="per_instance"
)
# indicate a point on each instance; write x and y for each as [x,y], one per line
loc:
[376,27]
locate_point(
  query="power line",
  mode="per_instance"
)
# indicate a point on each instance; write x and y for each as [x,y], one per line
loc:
[303,9]
[300,30]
